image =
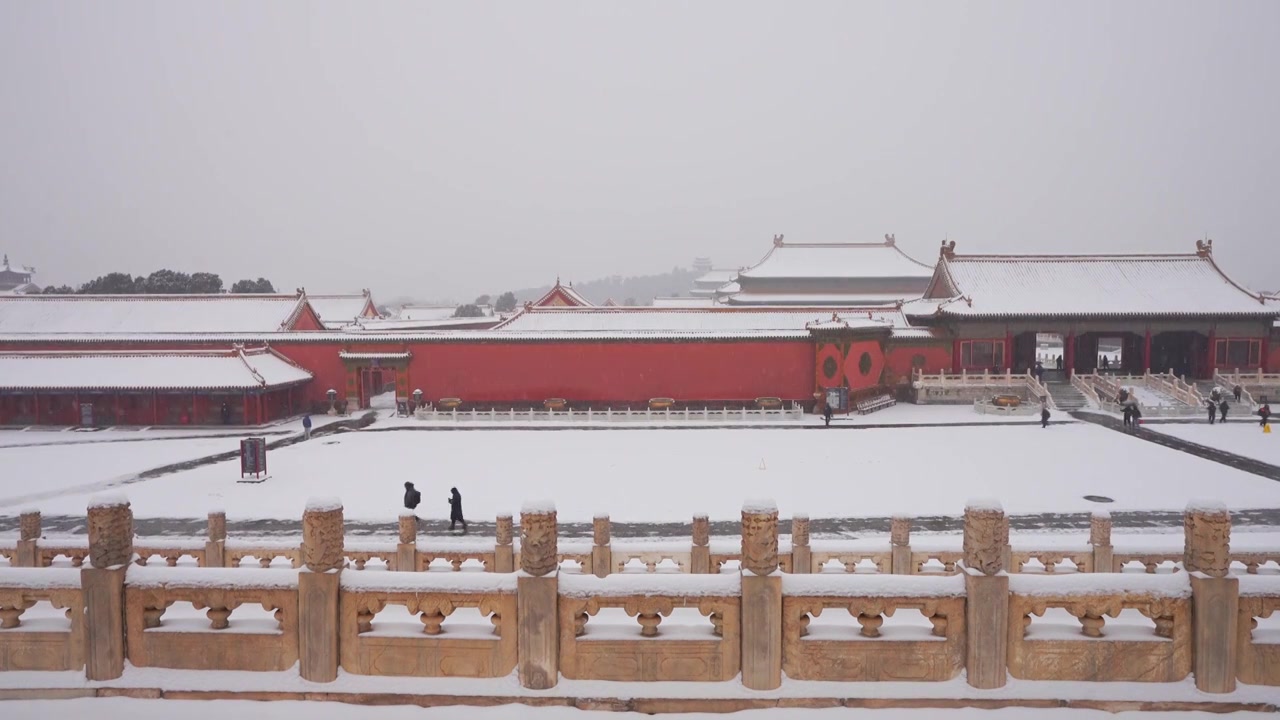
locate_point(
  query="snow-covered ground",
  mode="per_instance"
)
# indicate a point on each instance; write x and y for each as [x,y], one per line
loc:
[14,436]
[129,709]
[1152,398]
[1242,438]
[669,475]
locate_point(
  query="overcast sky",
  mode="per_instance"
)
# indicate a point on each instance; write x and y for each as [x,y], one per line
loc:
[447,149]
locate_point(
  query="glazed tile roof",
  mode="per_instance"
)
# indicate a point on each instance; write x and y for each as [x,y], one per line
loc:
[165,371]
[1087,285]
[112,314]
[836,261]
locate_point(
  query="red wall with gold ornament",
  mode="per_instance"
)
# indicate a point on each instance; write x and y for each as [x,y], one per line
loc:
[855,364]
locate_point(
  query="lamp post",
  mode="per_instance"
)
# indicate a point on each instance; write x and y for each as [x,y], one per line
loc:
[333,401]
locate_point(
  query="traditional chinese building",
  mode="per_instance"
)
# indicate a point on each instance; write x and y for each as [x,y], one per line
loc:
[16,279]
[1176,312]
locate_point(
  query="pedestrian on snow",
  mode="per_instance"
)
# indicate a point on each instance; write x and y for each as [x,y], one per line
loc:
[1265,413]
[1128,416]
[455,511]
[1059,362]
[1222,411]
[1123,396]
[1137,417]
[1216,394]
[1106,363]
[1237,391]
[1213,410]
[411,499]
[1039,371]
[226,414]
[306,427]
[1044,416]
[826,415]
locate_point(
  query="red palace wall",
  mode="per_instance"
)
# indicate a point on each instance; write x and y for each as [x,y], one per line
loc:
[902,359]
[618,371]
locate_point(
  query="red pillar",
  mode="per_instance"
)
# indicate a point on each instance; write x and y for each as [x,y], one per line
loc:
[1008,350]
[37,396]
[1212,352]
[155,408]
[1146,351]
[1069,359]
[955,356]
[193,409]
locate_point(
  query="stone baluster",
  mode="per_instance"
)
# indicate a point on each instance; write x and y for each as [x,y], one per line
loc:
[900,545]
[318,589]
[110,524]
[700,552]
[761,597]
[1215,595]
[1100,541]
[503,550]
[986,550]
[801,556]
[215,544]
[601,546]
[537,597]
[28,554]
[407,545]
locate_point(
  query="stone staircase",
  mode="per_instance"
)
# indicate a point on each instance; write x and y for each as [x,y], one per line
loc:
[1237,408]
[1065,395]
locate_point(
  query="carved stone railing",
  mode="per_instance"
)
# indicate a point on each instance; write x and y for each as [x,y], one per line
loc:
[1258,661]
[1050,559]
[650,555]
[648,651]
[220,642]
[75,550]
[265,552]
[1090,651]
[429,645]
[171,550]
[44,643]
[852,560]
[1229,382]
[842,654]
[615,416]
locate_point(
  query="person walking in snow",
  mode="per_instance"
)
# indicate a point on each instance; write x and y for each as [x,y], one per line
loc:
[306,427]
[1038,372]
[455,511]
[1137,416]
[1044,416]
[1213,410]
[1265,413]
[1222,411]
[826,415]
[1059,362]
[1237,391]
[226,414]
[1128,416]
[411,500]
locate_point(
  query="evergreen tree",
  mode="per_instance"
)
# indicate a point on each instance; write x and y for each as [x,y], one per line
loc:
[506,302]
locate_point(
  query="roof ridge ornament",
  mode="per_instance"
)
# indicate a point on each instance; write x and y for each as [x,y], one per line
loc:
[948,251]
[1204,248]
[777,241]
[890,239]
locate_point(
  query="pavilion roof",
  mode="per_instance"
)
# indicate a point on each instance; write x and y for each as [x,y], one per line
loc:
[234,369]
[338,310]
[1086,285]
[149,314]
[562,296]
[836,261]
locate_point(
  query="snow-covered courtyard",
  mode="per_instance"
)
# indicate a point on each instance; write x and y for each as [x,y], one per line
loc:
[1242,438]
[650,475]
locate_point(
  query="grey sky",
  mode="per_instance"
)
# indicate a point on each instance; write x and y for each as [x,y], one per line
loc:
[446,149]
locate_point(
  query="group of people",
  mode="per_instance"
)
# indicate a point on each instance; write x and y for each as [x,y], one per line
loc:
[1129,409]
[412,498]
[1218,406]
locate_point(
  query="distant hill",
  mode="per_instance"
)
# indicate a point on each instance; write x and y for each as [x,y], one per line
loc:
[641,288]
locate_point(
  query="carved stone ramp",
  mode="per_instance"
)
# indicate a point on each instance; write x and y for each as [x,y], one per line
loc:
[1239,462]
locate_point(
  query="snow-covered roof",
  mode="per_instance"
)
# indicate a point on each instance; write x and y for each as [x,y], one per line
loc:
[236,369]
[374,355]
[107,314]
[6,266]
[1088,285]
[436,312]
[22,289]
[338,310]
[682,302]
[746,297]
[694,320]
[836,261]
[562,296]
[397,324]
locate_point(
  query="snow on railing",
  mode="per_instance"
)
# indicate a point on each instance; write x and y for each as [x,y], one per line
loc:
[1106,389]
[665,416]
[1229,382]
[1173,386]
[986,379]
[986,407]
[1081,383]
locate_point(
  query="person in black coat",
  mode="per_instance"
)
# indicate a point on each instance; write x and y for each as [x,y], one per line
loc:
[455,510]
[1128,416]
[1222,411]
[1213,410]
[1044,416]
[826,415]
[1237,391]
[411,499]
